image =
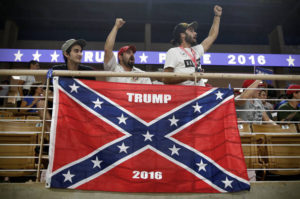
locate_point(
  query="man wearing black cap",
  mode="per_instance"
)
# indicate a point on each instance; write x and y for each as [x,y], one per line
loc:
[185,58]
[72,52]
[125,58]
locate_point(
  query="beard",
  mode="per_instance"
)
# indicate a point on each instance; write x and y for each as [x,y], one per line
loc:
[130,62]
[189,39]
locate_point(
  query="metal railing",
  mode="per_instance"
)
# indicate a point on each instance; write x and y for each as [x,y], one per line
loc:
[196,77]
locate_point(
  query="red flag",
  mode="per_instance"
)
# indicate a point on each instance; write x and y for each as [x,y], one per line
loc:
[144,138]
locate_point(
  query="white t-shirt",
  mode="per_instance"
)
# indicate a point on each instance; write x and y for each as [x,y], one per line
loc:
[177,59]
[28,81]
[112,65]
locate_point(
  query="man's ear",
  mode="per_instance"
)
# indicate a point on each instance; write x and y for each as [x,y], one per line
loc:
[182,35]
[119,58]
[66,54]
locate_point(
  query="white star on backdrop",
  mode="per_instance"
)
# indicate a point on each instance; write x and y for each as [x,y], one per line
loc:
[143,58]
[291,61]
[174,150]
[227,183]
[36,56]
[123,148]
[97,103]
[54,56]
[97,162]
[173,121]
[219,95]
[201,166]
[197,108]
[148,136]
[68,176]
[18,56]
[74,88]
[122,119]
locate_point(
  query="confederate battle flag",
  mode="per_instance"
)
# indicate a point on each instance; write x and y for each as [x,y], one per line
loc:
[144,138]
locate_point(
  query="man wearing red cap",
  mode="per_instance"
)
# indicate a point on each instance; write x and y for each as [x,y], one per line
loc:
[293,94]
[255,110]
[185,58]
[125,57]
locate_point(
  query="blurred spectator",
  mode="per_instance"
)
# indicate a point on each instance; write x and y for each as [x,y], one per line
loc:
[248,101]
[290,106]
[3,91]
[267,105]
[26,81]
[236,92]
[30,101]
[283,97]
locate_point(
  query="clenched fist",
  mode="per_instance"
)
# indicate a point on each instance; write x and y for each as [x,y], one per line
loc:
[218,10]
[119,22]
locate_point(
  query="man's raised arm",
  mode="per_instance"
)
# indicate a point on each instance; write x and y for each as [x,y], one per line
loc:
[110,40]
[214,30]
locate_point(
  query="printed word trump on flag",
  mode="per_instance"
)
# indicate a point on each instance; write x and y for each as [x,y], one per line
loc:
[144,138]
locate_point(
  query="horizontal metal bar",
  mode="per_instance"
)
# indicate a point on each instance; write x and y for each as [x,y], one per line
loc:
[22,157]
[266,122]
[17,120]
[22,132]
[20,170]
[269,133]
[279,157]
[150,74]
[270,144]
[273,169]
[23,144]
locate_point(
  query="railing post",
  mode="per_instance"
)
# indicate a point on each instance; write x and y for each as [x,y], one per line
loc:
[38,176]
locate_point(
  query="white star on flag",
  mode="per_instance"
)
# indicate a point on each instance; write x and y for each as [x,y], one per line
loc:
[227,183]
[291,61]
[97,103]
[54,56]
[197,108]
[36,56]
[97,162]
[18,56]
[174,150]
[143,58]
[74,88]
[201,166]
[68,176]
[173,121]
[219,95]
[148,136]
[123,148]
[122,119]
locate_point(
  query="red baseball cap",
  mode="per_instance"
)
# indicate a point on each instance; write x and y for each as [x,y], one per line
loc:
[125,48]
[294,86]
[248,82]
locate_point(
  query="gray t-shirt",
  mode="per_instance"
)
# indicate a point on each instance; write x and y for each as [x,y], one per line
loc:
[254,111]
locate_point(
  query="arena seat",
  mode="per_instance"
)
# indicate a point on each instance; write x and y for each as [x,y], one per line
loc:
[250,148]
[5,114]
[16,118]
[10,133]
[244,128]
[279,150]
[267,128]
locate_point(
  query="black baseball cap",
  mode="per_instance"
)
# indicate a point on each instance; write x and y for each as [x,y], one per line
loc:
[181,28]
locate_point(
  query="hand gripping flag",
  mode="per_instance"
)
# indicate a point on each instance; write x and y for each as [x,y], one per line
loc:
[144,138]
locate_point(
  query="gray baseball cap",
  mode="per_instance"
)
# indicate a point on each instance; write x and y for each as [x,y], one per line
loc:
[71,42]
